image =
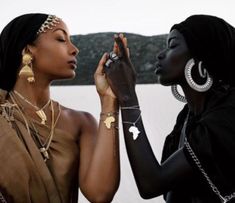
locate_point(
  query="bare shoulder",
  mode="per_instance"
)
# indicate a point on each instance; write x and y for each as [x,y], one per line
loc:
[76,121]
[78,116]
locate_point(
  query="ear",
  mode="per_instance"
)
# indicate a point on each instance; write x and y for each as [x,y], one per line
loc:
[29,49]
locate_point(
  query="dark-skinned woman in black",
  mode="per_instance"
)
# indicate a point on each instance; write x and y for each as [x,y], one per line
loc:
[198,154]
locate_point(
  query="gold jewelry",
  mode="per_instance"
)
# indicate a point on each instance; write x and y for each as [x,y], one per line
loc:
[109,118]
[7,111]
[27,69]
[43,147]
[39,111]
[49,23]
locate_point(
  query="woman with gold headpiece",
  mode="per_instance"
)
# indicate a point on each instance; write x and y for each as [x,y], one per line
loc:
[48,151]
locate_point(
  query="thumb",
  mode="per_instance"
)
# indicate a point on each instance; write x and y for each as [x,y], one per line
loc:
[100,67]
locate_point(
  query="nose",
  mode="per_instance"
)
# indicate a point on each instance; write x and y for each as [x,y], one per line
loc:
[161,55]
[74,50]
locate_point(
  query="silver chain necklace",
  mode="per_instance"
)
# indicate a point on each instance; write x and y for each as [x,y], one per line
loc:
[2,198]
[224,199]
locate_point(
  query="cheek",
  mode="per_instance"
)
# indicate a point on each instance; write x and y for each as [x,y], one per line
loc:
[173,68]
[47,60]
[176,63]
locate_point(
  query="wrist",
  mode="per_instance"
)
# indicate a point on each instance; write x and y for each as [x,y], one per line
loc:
[109,104]
[129,100]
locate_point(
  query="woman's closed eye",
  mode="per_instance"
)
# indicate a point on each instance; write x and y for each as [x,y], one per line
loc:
[172,45]
[61,39]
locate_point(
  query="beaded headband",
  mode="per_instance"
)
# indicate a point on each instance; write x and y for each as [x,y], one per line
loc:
[49,23]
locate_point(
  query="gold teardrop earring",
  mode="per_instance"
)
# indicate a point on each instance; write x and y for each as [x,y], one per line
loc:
[27,70]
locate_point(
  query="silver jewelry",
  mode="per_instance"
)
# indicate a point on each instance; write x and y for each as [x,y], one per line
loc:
[39,111]
[108,62]
[204,73]
[188,76]
[177,95]
[2,198]
[133,129]
[213,187]
[49,23]
[113,56]
[130,107]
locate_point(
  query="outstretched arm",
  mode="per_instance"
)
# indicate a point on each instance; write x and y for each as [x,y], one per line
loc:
[152,179]
[99,171]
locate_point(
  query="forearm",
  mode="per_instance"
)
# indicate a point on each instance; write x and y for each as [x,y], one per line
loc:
[145,167]
[103,175]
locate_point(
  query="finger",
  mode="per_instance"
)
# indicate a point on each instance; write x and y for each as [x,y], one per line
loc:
[125,44]
[121,47]
[128,52]
[100,67]
[115,48]
[124,41]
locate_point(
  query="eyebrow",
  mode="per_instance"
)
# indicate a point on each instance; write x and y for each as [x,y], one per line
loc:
[60,29]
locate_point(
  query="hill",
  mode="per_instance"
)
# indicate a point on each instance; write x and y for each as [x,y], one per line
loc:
[143,49]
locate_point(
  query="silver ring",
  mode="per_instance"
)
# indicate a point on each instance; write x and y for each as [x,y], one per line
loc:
[107,63]
[113,56]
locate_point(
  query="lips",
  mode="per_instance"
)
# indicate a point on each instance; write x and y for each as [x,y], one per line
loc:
[158,68]
[73,63]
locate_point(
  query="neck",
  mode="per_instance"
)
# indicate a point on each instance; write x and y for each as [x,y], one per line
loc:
[195,100]
[37,93]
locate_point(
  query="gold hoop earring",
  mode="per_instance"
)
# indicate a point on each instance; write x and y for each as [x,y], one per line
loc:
[27,70]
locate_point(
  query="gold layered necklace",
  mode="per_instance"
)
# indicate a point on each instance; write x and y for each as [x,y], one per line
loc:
[39,111]
[44,147]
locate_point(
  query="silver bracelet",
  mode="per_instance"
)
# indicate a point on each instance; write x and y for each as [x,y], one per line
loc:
[133,129]
[130,107]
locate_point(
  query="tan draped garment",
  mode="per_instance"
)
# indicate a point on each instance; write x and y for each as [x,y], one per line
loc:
[24,175]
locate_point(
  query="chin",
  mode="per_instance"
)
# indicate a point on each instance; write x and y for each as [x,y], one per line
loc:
[163,81]
[67,76]
[70,75]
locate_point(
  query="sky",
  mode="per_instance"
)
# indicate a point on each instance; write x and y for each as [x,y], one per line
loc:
[145,17]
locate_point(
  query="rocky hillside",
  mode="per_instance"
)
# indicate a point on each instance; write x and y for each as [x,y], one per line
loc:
[143,51]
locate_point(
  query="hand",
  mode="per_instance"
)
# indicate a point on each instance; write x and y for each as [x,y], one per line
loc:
[121,74]
[101,82]
[116,48]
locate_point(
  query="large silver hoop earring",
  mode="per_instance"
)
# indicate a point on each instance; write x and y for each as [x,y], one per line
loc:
[188,76]
[177,95]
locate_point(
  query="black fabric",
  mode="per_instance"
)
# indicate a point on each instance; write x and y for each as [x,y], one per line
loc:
[211,40]
[212,137]
[14,37]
